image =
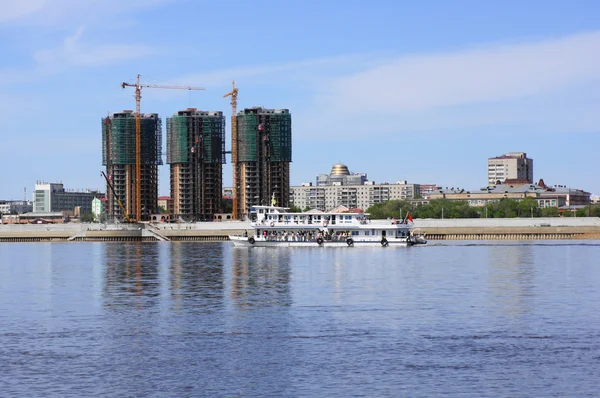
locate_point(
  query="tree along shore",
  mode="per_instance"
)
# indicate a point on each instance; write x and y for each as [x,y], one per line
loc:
[504,208]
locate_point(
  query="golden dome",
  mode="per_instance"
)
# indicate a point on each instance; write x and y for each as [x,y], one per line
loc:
[339,170]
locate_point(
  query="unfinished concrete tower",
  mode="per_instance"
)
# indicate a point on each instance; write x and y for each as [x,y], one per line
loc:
[196,153]
[119,157]
[263,157]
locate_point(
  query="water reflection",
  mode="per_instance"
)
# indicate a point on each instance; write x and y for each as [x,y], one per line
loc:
[511,277]
[260,277]
[196,273]
[132,275]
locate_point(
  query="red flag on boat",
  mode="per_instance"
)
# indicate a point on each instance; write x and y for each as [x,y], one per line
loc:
[408,217]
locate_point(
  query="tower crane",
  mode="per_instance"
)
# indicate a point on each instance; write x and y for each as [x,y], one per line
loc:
[234,147]
[138,141]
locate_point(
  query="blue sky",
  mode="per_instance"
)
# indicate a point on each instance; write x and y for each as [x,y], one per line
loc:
[420,91]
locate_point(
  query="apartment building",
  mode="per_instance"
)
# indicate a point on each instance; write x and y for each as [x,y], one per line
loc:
[512,165]
[352,190]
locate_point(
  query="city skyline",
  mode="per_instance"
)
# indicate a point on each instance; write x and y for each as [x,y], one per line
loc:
[400,91]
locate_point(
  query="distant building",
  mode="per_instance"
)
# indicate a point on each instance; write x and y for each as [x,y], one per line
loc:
[352,190]
[340,175]
[429,188]
[546,196]
[52,197]
[34,218]
[16,206]
[512,165]
[97,208]
[164,202]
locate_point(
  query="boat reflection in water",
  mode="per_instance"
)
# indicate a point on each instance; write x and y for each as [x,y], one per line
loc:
[260,277]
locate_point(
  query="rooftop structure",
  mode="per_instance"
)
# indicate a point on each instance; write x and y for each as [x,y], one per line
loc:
[341,175]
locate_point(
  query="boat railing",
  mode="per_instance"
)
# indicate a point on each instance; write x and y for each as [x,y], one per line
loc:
[316,223]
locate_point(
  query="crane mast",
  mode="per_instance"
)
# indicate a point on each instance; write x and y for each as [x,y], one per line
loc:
[138,135]
[234,147]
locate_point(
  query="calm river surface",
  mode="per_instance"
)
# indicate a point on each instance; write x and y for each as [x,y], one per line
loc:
[481,319]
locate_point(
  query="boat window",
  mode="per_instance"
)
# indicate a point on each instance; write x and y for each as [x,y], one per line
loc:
[354,233]
[367,233]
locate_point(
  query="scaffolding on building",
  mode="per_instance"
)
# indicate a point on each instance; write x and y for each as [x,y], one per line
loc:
[264,154]
[119,157]
[196,153]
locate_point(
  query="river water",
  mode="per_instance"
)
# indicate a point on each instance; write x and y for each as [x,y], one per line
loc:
[477,319]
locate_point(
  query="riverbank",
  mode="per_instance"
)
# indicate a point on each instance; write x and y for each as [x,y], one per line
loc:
[454,229]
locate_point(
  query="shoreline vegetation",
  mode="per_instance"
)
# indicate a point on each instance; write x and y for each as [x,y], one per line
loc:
[504,208]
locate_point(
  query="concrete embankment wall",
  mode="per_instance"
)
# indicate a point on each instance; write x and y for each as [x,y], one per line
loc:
[511,228]
[453,229]
[121,233]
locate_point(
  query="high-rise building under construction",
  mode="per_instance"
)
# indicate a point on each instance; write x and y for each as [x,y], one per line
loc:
[262,160]
[119,157]
[196,154]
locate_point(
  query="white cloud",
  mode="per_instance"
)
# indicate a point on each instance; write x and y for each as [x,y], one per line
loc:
[536,86]
[294,72]
[532,87]
[12,10]
[73,52]
[57,12]
[472,76]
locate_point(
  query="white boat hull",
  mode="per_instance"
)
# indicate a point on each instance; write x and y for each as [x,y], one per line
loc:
[277,227]
[241,241]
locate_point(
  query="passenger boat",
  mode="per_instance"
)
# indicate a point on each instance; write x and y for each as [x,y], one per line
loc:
[276,226]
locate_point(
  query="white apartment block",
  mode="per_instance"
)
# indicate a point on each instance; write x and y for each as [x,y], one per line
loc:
[512,165]
[352,196]
[352,190]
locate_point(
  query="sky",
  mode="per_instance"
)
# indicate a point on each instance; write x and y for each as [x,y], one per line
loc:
[421,91]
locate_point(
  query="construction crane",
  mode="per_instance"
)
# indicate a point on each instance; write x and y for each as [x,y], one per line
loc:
[138,141]
[126,217]
[234,149]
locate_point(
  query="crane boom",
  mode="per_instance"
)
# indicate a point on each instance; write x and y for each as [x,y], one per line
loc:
[138,153]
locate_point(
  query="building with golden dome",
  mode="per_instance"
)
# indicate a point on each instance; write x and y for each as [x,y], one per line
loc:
[353,190]
[340,175]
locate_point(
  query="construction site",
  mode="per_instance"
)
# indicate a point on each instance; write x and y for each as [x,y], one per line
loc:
[196,154]
[261,157]
[261,151]
[119,155]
